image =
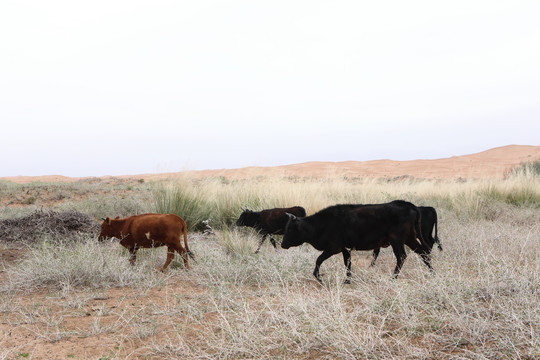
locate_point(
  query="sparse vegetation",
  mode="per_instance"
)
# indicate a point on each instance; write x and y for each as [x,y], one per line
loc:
[482,303]
[527,169]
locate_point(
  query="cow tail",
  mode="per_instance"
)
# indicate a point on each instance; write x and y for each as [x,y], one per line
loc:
[418,225]
[439,245]
[191,255]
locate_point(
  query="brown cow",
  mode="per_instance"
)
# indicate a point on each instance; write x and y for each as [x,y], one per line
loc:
[148,231]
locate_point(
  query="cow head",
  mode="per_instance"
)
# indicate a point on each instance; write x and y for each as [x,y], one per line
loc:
[107,229]
[295,232]
[247,218]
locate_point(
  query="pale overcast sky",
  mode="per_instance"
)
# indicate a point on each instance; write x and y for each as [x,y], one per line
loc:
[128,87]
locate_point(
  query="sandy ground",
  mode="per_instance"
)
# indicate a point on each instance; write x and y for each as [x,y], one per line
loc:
[99,326]
[493,163]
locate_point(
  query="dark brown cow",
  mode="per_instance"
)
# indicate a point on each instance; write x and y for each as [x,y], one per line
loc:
[148,231]
[269,222]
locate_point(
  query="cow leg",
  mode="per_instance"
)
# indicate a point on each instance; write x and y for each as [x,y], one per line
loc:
[170,257]
[375,256]
[347,260]
[420,250]
[184,254]
[401,255]
[132,254]
[325,255]
[273,241]
[260,243]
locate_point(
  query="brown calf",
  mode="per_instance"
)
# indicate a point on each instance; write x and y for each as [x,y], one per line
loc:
[148,231]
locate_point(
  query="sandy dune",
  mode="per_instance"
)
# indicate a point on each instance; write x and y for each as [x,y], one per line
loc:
[493,163]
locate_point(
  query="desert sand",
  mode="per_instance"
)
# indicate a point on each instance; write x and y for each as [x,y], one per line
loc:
[492,163]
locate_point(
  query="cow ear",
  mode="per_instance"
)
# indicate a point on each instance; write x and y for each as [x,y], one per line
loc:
[107,220]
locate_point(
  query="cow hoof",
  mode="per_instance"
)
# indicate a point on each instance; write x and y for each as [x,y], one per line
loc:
[347,281]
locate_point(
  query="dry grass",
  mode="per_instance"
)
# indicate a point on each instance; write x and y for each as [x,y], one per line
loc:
[81,299]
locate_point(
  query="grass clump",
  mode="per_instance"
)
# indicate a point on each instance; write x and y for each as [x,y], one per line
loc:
[80,263]
[526,195]
[237,243]
[185,201]
[527,169]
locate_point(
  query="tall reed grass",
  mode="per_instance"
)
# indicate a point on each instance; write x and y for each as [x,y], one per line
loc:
[197,200]
[188,202]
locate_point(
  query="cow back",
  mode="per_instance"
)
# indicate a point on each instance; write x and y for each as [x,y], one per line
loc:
[273,221]
[360,227]
[146,230]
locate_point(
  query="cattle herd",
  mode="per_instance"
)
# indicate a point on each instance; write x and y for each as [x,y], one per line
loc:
[335,229]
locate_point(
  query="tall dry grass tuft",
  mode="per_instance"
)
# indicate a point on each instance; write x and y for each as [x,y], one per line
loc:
[222,202]
[186,201]
[81,263]
[526,169]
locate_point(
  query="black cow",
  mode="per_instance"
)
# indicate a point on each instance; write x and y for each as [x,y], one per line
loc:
[340,228]
[428,222]
[269,222]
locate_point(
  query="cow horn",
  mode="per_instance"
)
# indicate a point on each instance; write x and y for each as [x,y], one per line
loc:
[291,216]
